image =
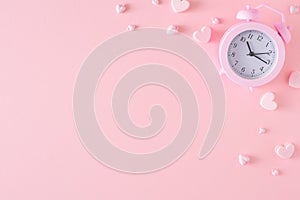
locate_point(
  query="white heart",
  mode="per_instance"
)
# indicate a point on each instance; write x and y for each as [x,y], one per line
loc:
[155,2]
[203,35]
[131,27]
[294,9]
[172,29]
[243,159]
[267,101]
[294,80]
[120,8]
[180,5]
[275,172]
[285,151]
[261,130]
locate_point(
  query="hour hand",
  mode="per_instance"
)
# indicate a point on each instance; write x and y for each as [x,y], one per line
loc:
[251,53]
[248,45]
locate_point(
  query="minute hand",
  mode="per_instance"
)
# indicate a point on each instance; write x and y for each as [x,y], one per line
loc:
[260,59]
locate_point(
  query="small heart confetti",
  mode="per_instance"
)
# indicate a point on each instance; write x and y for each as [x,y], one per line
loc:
[172,29]
[243,159]
[294,9]
[180,5]
[275,172]
[155,2]
[285,151]
[204,35]
[120,8]
[261,130]
[215,20]
[131,27]
[267,101]
[294,80]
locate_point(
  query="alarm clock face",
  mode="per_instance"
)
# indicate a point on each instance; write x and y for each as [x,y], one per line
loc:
[252,54]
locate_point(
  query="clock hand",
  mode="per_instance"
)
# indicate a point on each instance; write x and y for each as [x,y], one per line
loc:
[260,59]
[250,51]
[259,53]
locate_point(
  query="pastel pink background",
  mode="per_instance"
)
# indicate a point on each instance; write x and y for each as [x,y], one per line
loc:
[42,46]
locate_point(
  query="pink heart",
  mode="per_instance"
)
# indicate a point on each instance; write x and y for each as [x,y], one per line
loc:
[294,80]
[203,35]
[180,5]
[285,151]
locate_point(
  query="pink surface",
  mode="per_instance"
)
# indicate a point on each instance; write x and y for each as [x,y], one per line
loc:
[43,44]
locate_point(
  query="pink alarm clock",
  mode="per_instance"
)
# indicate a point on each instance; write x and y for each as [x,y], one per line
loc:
[251,53]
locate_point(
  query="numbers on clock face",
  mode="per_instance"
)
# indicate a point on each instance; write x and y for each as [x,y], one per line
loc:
[252,54]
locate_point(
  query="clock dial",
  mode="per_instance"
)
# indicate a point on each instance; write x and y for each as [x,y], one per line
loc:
[252,54]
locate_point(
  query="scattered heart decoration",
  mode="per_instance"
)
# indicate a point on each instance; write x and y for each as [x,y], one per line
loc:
[180,5]
[261,130]
[172,29]
[120,8]
[155,2]
[294,9]
[285,151]
[267,101]
[204,35]
[243,159]
[294,80]
[131,27]
[215,20]
[275,172]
